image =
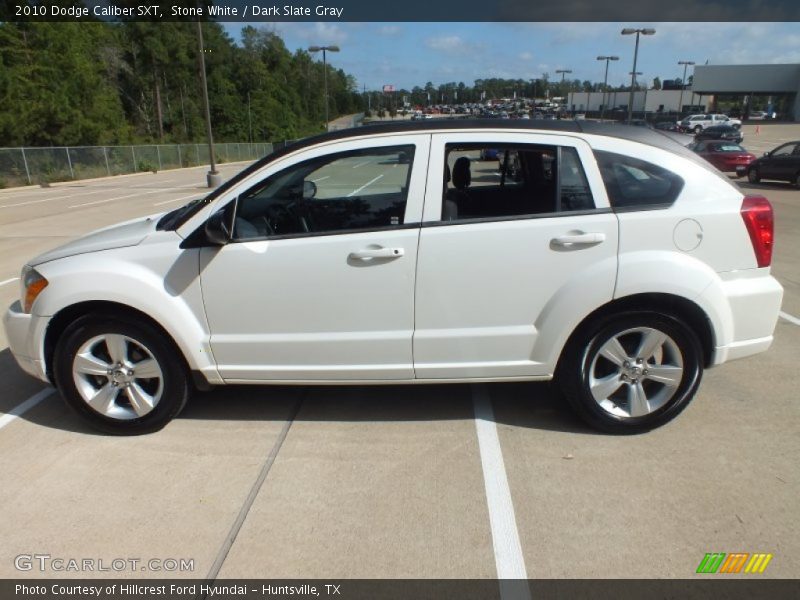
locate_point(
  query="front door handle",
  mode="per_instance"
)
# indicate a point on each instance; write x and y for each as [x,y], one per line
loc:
[579,239]
[368,253]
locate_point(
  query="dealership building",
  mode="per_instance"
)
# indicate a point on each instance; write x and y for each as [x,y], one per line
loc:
[774,88]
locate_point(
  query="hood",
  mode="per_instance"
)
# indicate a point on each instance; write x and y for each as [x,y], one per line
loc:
[129,233]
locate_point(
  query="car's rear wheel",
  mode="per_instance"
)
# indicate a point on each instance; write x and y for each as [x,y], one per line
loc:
[632,372]
[698,129]
[752,175]
[122,376]
[796,181]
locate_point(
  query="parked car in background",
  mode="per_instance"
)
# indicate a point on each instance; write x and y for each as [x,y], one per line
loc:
[782,164]
[720,132]
[728,157]
[489,154]
[698,123]
[615,261]
[757,115]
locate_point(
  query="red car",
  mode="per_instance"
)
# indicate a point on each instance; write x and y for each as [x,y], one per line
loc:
[726,156]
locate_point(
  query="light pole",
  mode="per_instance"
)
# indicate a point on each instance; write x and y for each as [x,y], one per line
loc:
[629,31]
[685,64]
[213,178]
[605,82]
[325,49]
[563,72]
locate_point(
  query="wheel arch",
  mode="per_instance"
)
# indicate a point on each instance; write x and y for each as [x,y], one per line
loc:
[63,318]
[667,304]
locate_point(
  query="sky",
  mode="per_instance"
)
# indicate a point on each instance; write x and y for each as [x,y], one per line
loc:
[409,54]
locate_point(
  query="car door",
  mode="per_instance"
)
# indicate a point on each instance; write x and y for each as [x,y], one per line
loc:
[318,280]
[782,162]
[512,252]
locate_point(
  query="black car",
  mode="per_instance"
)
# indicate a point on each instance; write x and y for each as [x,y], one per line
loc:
[720,132]
[783,164]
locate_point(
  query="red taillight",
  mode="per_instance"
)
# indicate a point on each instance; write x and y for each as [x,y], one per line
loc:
[760,222]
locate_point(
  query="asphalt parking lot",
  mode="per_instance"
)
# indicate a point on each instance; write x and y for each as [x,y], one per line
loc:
[448,481]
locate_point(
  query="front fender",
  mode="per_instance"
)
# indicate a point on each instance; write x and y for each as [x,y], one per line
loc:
[155,277]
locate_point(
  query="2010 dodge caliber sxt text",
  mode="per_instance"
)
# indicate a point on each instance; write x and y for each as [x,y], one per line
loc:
[607,257]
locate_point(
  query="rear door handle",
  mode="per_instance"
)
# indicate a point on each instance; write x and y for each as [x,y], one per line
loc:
[579,239]
[377,253]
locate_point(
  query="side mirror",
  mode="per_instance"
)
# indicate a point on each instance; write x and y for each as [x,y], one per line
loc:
[217,230]
[766,153]
[309,190]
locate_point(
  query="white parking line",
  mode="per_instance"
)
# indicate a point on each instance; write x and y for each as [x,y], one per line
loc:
[320,178]
[175,199]
[25,406]
[132,195]
[49,198]
[8,280]
[508,557]
[370,182]
[83,192]
[361,164]
[789,318]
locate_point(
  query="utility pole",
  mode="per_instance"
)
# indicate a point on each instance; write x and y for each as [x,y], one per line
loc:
[213,177]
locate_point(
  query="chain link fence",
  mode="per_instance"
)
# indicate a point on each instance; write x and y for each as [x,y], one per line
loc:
[28,166]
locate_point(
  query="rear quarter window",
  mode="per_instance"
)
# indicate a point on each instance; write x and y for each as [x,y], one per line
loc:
[633,183]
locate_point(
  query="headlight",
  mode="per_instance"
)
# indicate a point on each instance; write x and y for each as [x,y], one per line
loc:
[32,285]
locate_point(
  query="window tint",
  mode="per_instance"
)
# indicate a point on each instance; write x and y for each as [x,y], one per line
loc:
[365,189]
[633,182]
[502,180]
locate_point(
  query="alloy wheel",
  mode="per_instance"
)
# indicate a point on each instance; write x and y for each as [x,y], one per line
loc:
[635,372]
[118,376]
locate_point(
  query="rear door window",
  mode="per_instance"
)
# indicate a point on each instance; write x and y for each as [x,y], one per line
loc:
[505,181]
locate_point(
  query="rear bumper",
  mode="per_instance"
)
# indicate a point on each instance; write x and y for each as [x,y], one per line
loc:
[23,331]
[755,303]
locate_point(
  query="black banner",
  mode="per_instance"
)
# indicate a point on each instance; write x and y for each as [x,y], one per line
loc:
[406,11]
[714,587]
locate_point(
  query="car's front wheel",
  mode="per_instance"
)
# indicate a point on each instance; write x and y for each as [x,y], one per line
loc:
[122,376]
[698,129]
[632,372]
[753,175]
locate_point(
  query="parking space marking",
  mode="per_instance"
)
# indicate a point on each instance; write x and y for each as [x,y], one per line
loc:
[320,178]
[174,200]
[49,198]
[157,191]
[361,164]
[370,182]
[508,557]
[8,280]
[20,409]
[251,497]
[789,318]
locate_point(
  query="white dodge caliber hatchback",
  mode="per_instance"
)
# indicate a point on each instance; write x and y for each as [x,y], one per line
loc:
[607,257]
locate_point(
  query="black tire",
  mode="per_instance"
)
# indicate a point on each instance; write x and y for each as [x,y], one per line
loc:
[698,129]
[796,181]
[753,175]
[172,383]
[581,356]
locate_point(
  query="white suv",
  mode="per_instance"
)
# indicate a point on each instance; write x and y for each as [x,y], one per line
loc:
[613,259]
[698,123]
